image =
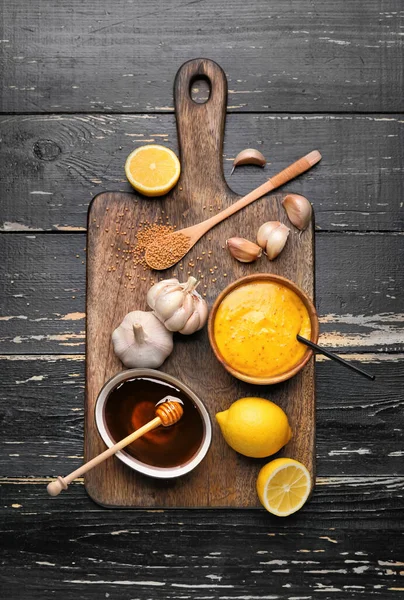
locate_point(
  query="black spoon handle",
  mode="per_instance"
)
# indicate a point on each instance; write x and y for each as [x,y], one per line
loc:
[334,357]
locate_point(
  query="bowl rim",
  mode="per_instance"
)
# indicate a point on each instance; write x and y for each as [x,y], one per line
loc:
[314,321]
[130,461]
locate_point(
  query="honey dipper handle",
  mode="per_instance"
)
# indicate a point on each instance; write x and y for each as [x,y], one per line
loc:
[61,483]
[297,168]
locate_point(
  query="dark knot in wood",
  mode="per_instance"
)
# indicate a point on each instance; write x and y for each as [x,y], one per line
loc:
[46,150]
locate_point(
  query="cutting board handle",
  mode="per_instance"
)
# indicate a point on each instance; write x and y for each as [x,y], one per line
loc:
[201,130]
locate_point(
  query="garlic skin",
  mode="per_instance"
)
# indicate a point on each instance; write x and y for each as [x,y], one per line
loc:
[243,250]
[249,156]
[272,236]
[299,210]
[141,340]
[178,305]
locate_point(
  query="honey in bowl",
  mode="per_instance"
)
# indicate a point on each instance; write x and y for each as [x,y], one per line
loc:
[255,328]
[133,403]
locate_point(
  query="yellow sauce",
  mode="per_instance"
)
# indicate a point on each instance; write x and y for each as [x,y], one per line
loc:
[255,329]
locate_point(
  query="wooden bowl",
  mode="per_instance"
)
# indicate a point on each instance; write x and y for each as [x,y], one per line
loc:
[313,321]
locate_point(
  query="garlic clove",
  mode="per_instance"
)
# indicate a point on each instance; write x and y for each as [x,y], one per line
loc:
[198,318]
[167,303]
[249,156]
[299,210]
[192,325]
[158,288]
[264,231]
[177,321]
[202,308]
[276,241]
[243,250]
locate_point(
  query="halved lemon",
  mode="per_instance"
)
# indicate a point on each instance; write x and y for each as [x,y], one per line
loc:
[283,486]
[152,170]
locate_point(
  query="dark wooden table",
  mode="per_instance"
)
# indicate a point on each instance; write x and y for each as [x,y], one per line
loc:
[85,82]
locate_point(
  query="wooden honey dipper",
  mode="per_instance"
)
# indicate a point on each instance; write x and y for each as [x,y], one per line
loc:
[168,412]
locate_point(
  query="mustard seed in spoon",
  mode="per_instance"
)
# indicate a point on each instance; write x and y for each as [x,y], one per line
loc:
[167,250]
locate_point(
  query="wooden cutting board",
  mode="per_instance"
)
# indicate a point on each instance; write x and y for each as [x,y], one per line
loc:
[224,478]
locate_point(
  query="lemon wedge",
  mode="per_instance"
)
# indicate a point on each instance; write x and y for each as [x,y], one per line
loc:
[152,170]
[283,486]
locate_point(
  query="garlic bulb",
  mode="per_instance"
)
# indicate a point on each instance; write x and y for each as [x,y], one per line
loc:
[298,209]
[272,236]
[243,250]
[142,341]
[178,305]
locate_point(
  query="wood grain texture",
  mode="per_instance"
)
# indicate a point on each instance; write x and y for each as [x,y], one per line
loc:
[359,283]
[346,543]
[223,478]
[99,56]
[64,160]
[42,416]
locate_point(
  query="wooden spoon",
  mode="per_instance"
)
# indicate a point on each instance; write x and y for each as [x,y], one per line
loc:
[164,253]
[168,412]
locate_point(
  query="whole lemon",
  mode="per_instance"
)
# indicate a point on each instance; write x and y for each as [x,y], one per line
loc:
[254,427]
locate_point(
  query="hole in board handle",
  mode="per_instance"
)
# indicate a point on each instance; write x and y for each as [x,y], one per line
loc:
[200,89]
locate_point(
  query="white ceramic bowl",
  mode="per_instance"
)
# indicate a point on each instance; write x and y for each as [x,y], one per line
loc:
[133,463]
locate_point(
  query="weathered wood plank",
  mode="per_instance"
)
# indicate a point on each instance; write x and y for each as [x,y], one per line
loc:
[87,553]
[359,283]
[336,56]
[42,414]
[62,161]
[339,500]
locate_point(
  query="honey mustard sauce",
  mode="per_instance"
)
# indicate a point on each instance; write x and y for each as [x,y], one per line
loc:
[255,329]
